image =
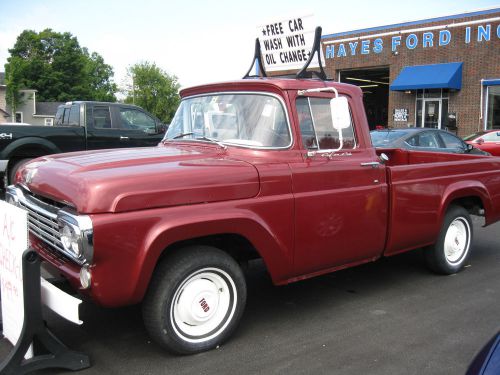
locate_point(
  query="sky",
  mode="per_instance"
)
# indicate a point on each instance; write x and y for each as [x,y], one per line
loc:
[198,41]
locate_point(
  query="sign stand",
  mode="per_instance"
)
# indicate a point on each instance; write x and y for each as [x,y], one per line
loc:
[53,353]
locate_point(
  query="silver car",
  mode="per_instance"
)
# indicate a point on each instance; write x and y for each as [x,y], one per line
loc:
[422,139]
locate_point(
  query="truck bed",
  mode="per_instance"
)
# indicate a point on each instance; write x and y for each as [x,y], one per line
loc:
[423,184]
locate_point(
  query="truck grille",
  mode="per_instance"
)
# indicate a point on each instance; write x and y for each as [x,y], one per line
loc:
[42,221]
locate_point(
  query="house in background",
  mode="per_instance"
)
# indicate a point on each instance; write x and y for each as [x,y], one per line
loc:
[4,115]
[28,111]
[33,113]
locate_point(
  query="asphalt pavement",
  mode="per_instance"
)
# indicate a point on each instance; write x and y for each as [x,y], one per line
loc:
[388,317]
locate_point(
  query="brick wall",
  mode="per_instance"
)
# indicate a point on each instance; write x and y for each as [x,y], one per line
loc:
[481,60]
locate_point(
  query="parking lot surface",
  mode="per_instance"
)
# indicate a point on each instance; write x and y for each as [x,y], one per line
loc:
[389,317]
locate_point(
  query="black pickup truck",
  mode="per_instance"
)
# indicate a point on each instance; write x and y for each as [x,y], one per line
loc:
[78,126]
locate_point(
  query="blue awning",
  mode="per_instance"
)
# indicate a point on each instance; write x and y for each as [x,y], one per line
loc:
[491,82]
[434,76]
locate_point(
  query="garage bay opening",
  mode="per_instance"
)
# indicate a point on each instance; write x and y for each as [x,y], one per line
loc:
[375,85]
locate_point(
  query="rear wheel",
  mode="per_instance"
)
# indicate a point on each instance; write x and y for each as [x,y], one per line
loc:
[195,300]
[451,251]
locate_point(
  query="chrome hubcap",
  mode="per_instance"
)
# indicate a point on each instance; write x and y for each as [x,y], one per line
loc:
[203,305]
[457,240]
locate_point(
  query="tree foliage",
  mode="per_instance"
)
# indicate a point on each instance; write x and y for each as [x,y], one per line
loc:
[153,89]
[57,67]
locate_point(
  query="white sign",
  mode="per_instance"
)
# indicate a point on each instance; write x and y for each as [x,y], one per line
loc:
[400,114]
[13,242]
[286,44]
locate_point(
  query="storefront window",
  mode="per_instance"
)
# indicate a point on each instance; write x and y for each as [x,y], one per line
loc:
[493,107]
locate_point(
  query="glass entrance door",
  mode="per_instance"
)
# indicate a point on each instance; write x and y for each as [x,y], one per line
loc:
[432,114]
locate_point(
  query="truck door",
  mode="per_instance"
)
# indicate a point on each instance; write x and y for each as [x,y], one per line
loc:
[138,128]
[340,196]
[100,130]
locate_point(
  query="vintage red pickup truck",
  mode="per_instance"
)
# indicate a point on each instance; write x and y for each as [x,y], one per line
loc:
[271,168]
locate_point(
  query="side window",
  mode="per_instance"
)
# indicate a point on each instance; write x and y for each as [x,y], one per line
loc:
[66,116]
[451,141]
[59,116]
[74,115]
[316,126]
[306,126]
[492,137]
[134,119]
[102,118]
[413,141]
[427,140]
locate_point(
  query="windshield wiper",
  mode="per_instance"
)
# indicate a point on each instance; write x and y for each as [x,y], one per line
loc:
[217,142]
[181,135]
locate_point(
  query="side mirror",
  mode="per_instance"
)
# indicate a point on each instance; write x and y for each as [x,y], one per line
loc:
[480,141]
[469,147]
[341,117]
[162,128]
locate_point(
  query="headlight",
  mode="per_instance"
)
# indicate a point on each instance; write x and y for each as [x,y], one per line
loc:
[11,197]
[70,240]
[76,234]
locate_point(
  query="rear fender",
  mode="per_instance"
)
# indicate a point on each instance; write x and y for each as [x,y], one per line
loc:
[464,189]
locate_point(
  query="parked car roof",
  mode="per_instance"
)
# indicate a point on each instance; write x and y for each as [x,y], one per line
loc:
[421,139]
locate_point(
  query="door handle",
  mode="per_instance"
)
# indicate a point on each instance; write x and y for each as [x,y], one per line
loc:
[373,164]
[122,138]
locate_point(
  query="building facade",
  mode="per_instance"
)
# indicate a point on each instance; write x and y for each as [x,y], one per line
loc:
[4,115]
[30,111]
[441,73]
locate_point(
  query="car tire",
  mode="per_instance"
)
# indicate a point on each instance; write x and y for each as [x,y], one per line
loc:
[14,168]
[452,249]
[195,300]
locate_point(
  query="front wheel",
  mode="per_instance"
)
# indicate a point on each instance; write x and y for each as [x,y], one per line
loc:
[452,248]
[195,300]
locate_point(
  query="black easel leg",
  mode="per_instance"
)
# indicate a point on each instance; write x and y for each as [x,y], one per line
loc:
[35,331]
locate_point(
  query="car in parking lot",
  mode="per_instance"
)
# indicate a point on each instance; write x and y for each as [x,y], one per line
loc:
[488,140]
[422,139]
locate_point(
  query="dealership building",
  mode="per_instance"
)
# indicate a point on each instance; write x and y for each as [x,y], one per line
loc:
[438,73]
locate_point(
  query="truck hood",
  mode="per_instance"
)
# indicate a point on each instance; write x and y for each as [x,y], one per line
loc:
[132,179]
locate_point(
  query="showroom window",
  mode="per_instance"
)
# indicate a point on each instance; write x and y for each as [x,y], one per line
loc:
[492,118]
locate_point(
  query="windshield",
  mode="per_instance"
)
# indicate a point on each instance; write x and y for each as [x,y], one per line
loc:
[251,120]
[381,138]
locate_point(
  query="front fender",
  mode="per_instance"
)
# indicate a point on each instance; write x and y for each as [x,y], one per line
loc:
[274,250]
[129,245]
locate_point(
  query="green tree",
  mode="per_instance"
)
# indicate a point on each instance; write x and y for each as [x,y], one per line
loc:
[102,88]
[58,68]
[153,89]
